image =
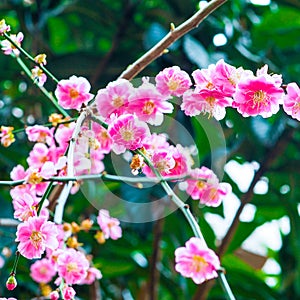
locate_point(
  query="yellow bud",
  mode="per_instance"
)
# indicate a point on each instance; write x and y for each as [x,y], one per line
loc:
[99,236]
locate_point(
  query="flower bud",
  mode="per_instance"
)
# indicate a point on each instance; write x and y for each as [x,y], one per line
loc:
[54,295]
[11,283]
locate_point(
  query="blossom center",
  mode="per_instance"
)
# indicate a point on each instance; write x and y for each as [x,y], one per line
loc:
[72,267]
[74,93]
[173,85]
[211,100]
[259,97]
[209,85]
[127,135]
[148,107]
[118,102]
[36,238]
[198,263]
[200,184]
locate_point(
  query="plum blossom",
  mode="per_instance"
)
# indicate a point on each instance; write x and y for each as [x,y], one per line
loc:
[3,27]
[25,206]
[127,132]
[40,134]
[114,98]
[73,92]
[102,136]
[68,292]
[38,76]
[6,135]
[9,48]
[196,261]
[11,283]
[42,271]
[35,235]
[258,95]
[148,104]
[92,275]
[72,266]
[54,295]
[291,101]
[109,225]
[204,185]
[172,81]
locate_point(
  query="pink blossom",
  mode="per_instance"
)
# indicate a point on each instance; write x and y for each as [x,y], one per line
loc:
[35,235]
[148,104]
[291,101]
[40,134]
[155,141]
[204,185]
[92,275]
[114,98]
[9,48]
[162,161]
[196,261]
[73,92]
[6,135]
[38,155]
[54,295]
[102,136]
[110,226]
[68,292]
[72,266]
[25,206]
[258,96]
[38,76]
[204,78]
[63,134]
[18,173]
[172,81]
[127,132]
[42,271]
[3,27]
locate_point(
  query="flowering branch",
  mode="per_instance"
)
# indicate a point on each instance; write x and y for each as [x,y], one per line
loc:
[170,38]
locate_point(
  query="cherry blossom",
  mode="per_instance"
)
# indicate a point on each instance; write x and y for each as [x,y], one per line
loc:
[291,101]
[3,27]
[172,81]
[92,275]
[9,48]
[6,135]
[42,271]
[35,235]
[73,92]
[72,266]
[196,261]
[110,226]
[127,132]
[40,134]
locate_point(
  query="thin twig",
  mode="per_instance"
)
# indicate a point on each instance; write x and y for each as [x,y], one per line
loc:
[4,222]
[169,39]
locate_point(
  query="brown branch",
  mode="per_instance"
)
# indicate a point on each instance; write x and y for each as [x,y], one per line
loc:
[270,158]
[154,273]
[169,39]
[128,12]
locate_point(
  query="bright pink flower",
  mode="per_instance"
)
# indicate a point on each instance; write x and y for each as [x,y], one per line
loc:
[11,283]
[25,206]
[162,161]
[9,48]
[42,271]
[172,81]
[102,136]
[92,275]
[63,134]
[204,78]
[73,92]
[35,235]
[196,261]
[291,101]
[110,226]
[148,104]
[127,132]
[54,295]
[38,155]
[18,173]
[182,161]
[204,185]
[258,96]
[114,98]
[72,266]
[226,77]
[205,101]
[68,292]
[40,134]
[275,78]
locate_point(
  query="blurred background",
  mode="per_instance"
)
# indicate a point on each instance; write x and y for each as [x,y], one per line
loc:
[98,40]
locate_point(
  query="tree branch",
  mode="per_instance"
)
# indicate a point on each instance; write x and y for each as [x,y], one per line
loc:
[170,38]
